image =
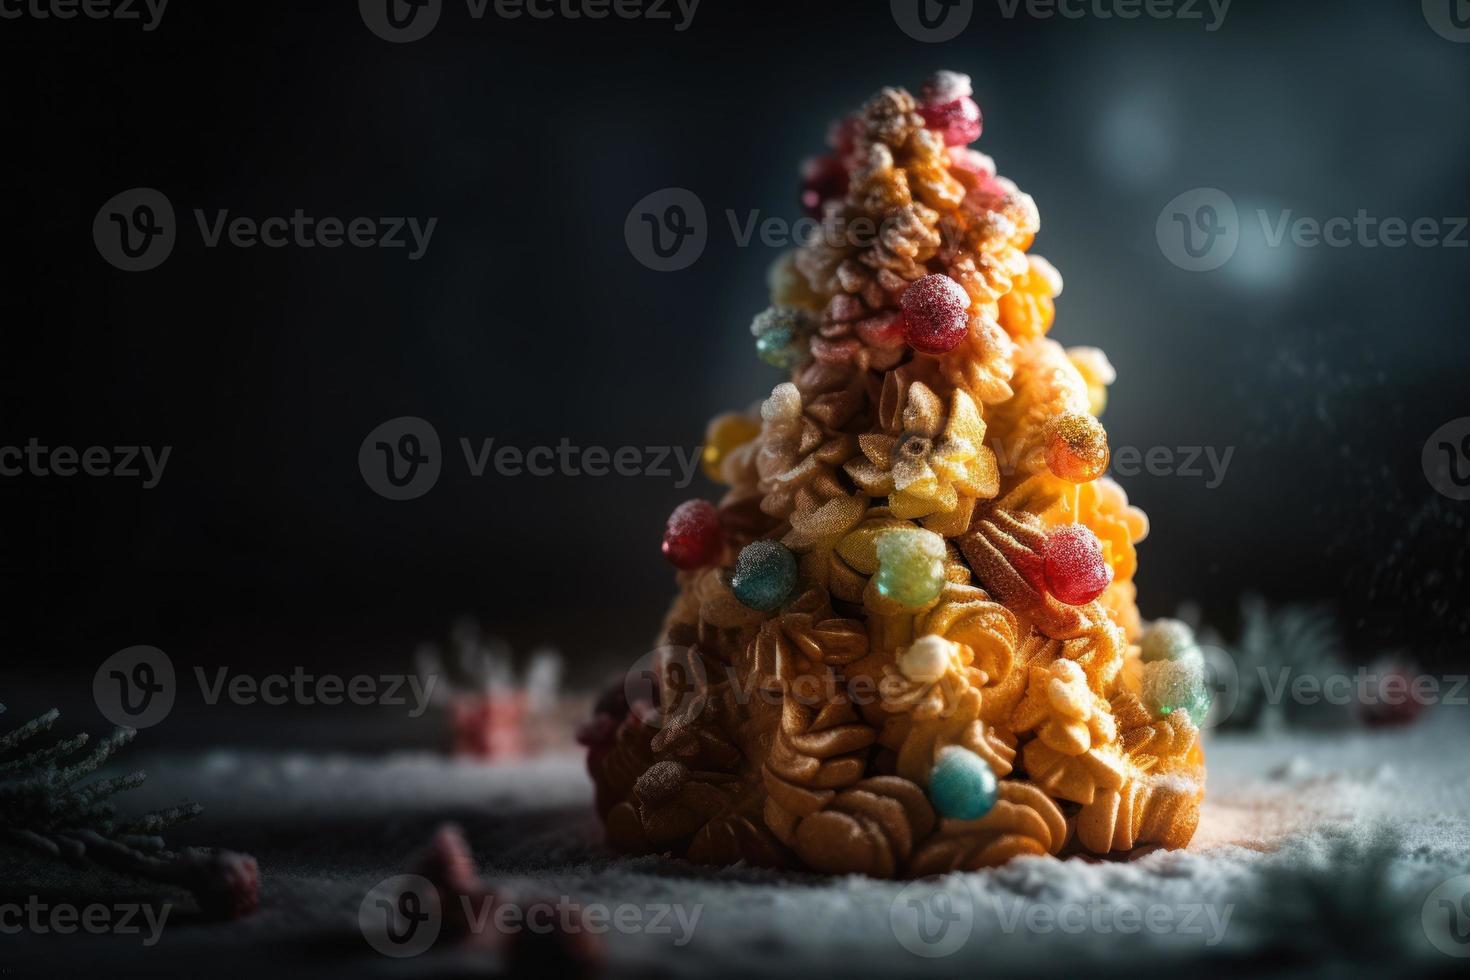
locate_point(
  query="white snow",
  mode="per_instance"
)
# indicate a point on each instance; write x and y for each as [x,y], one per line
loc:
[1284,858]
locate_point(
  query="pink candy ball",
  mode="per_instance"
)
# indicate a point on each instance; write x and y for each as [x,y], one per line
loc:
[936,314]
[958,122]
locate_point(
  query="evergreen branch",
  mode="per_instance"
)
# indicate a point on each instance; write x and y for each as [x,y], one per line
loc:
[29,730]
[47,805]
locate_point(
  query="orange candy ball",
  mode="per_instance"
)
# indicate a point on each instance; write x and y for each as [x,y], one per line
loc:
[1076,447]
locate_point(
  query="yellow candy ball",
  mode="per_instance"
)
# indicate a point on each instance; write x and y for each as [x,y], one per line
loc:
[724,435]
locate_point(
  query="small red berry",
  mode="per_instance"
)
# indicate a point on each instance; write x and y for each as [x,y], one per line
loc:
[936,314]
[694,538]
[822,178]
[1073,563]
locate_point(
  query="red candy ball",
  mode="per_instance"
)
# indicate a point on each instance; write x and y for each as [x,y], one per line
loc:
[694,538]
[958,122]
[936,314]
[1073,565]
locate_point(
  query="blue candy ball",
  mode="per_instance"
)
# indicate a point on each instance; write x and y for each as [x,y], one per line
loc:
[765,575]
[962,786]
[781,335]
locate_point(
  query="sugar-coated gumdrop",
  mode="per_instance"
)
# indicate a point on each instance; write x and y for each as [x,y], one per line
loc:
[946,86]
[958,122]
[1076,447]
[781,335]
[1176,685]
[822,178]
[1073,565]
[961,785]
[693,537]
[947,106]
[1169,639]
[910,566]
[724,435]
[936,314]
[765,575]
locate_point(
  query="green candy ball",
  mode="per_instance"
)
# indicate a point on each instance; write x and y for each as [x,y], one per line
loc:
[910,566]
[1176,685]
[1169,639]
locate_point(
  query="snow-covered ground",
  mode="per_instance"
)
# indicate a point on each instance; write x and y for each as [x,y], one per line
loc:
[1318,852]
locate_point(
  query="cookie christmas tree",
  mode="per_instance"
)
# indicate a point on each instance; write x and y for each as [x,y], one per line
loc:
[906,640]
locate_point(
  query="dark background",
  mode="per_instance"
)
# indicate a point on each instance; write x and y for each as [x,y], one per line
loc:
[528,320]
